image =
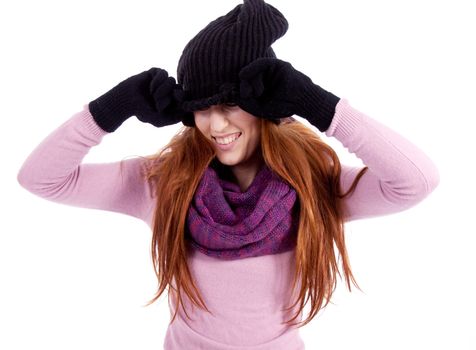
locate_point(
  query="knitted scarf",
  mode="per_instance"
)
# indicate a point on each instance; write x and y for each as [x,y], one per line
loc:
[226,223]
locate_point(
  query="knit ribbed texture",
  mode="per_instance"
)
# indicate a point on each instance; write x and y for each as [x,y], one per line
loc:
[348,123]
[91,124]
[112,109]
[317,106]
[226,223]
[209,66]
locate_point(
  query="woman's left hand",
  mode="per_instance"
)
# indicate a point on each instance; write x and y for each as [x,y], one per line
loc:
[272,89]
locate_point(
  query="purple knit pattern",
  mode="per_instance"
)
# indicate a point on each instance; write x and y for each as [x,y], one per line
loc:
[225,223]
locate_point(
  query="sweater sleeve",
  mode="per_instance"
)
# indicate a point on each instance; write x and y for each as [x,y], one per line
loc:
[54,171]
[399,175]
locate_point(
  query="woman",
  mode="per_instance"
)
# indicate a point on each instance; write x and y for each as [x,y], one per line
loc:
[245,203]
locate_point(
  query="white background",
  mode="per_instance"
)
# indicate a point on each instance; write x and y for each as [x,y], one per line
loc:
[74,278]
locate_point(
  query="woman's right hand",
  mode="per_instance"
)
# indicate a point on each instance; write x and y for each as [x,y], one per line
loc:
[152,96]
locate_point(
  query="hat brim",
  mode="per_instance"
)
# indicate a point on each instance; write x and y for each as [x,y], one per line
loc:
[203,103]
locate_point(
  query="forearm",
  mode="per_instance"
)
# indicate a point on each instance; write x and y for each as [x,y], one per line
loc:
[400,174]
[54,171]
[59,154]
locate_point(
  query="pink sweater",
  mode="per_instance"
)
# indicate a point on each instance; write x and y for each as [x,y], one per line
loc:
[245,296]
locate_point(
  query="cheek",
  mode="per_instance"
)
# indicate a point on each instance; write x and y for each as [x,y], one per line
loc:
[256,133]
[202,124]
[253,140]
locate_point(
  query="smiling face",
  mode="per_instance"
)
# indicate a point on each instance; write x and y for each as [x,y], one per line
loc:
[234,132]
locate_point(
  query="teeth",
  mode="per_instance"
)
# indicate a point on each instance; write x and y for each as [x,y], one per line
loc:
[227,140]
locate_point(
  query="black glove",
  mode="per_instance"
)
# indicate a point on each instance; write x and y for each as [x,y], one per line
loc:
[152,96]
[271,88]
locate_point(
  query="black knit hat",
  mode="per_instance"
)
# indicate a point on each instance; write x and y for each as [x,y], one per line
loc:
[210,63]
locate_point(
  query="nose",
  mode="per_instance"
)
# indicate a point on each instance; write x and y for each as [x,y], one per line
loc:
[218,120]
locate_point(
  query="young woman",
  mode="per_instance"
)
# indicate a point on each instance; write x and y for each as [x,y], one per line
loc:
[246,204]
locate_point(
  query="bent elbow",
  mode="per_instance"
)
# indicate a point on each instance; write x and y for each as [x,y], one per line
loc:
[425,180]
[24,179]
[431,179]
[410,190]
[29,180]
[435,179]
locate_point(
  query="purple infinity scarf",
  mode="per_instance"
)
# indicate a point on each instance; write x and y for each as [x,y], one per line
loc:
[226,223]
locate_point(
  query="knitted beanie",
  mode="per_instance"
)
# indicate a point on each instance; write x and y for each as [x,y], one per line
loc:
[210,63]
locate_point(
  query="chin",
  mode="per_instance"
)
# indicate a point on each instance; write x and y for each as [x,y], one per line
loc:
[229,159]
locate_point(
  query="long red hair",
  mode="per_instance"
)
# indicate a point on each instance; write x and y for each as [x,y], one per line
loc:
[299,156]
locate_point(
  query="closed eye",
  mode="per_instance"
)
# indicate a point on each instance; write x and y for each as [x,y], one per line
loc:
[230,106]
